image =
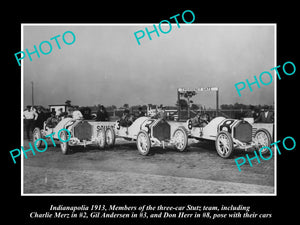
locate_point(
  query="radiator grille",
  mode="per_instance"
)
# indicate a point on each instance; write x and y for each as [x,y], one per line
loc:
[162,130]
[83,131]
[243,132]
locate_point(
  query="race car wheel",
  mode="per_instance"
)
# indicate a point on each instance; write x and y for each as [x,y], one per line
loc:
[224,144]
[263,138]
[110,137]
[36,134]
[101,138]
[64,146]
[180,138]
[143,142]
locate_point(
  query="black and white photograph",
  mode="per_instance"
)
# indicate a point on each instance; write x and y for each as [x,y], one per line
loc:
[148,114]
[160,116]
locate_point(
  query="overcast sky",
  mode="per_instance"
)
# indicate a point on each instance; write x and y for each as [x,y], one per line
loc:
[105,65]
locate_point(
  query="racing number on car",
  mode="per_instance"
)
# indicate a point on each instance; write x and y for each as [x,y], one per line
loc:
[118,125]
[146,125]
[190,125]
[99,127]
[226,125]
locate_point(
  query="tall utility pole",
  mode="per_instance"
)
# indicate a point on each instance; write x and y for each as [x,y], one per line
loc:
[178,102]
[32,100]
[217,102]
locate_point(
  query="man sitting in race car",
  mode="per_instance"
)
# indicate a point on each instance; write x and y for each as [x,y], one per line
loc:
[102,114]
[160,114]
[61,115]
[52,121]
[140,112]
[200,120]
[54,125]
[126,119]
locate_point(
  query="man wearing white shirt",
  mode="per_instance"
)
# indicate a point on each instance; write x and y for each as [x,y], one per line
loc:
[29,116]
[77,115]
[265,116]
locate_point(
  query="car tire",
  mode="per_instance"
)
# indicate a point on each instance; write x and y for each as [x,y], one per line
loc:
[143,142]
[101,138]
[36,134]
[264,138]
[180,136]
[64,146]
[110,137]
[224,144]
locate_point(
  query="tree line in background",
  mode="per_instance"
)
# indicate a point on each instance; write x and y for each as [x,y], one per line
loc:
[236,110]
[243,106]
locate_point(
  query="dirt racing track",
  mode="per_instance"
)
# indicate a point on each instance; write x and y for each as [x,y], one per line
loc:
[121,170]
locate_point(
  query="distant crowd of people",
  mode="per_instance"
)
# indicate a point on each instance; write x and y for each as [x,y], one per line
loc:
[263,115]
[36,116]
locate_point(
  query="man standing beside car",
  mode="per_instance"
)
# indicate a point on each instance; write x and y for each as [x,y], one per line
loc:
[265,116]
[30,116]
[140,112]
[101,114]
[42,117]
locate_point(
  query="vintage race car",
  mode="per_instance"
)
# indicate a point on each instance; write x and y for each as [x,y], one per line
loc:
[230,134]
[83,133]
[147,133]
